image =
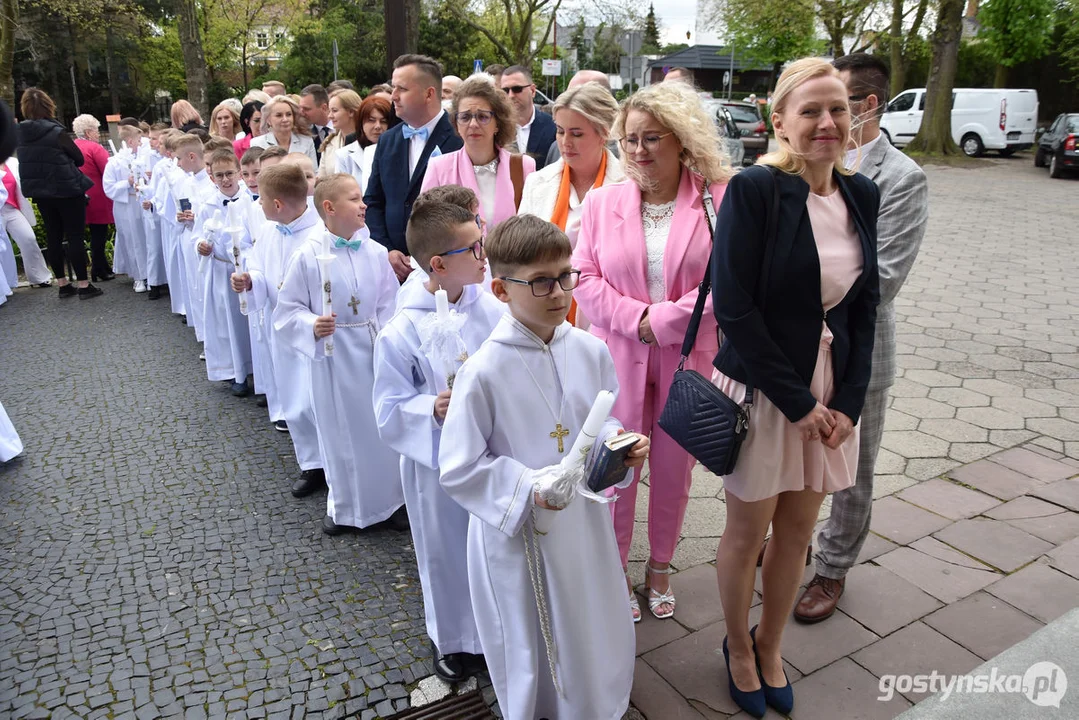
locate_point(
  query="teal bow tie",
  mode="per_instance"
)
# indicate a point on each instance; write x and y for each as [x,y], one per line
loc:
[340,242]
[284,229]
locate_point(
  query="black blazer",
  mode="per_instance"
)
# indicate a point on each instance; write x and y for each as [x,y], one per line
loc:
[775,348]
[540,137]
[390,190]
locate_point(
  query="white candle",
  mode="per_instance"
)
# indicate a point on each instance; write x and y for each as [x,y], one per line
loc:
[593,424]
[112,146]
[324,262]
[327,250]
[442,303]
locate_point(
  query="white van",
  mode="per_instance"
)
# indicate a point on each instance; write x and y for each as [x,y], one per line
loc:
[982,119]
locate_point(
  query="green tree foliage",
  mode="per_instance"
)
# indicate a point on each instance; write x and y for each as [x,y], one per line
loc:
[358,29]
[650,38]
[519,30]
[1016,31]
[453,42]
[771,32]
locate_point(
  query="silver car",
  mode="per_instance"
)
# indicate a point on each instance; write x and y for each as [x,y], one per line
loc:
[728,130]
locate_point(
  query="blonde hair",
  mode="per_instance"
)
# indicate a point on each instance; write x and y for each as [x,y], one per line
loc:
[797,74]
[187,142]
[284,182]
[129,132]
[182,113]
[255,96]
[299,159]
[484,89]
[594,102]
[350,101]
[83,124]
[235,119]
[331,187]
[299,124]
[677,107]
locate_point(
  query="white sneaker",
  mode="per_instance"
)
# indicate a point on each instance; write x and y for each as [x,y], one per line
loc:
[202,356]
[140,286]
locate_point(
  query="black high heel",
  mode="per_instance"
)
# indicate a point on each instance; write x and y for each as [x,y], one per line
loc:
[102,277]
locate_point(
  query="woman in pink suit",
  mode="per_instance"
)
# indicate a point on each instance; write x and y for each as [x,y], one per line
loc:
[643,248]
[98,206]
[483,118]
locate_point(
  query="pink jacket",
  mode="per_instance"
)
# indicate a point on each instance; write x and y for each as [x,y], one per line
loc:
[99,209]
[455,168]
[613,261]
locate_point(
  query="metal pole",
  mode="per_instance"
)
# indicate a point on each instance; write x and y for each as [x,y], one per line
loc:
[630,34]
[730,85]
[335,58]
[75,90]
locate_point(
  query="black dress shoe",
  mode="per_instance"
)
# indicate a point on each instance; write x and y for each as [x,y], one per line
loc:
[67,291]
[102,276]
[280,426]
[240,389]
[47,283]
[260,400]
[399,520]
[164,288]
[331,528]
[311,481]
[449,667]
[89,292]
[155,292]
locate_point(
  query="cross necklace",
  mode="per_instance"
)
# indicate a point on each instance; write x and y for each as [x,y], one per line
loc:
[353,301]
[560,432]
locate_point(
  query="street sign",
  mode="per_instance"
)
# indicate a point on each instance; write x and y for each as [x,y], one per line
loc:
[477,65]
[552,67]
[726,78]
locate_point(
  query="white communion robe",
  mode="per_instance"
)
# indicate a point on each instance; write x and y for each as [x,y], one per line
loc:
[194,188]
[362,472]
[9,271]
[266,262]
[10,443]
[129,248]
[506,401]
[156,272]
[162,177]
[406,383]
[227,338]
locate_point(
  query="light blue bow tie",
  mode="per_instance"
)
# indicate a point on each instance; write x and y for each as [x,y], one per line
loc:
[340,242]
[284,229]
[408,132]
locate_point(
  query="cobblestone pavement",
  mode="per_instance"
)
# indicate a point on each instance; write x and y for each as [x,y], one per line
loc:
[154,563]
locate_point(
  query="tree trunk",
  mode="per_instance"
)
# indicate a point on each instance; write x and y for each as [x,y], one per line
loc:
[243,60]
[194,57]
[9,15]
[402,29]
[110,65]
[1000,79]
[935,135]
[895,35]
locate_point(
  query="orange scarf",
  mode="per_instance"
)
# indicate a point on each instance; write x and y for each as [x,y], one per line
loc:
[561,211]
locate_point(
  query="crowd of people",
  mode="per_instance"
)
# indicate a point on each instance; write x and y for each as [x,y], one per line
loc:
[429,287]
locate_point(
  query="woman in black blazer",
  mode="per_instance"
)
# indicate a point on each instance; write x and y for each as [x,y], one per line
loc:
[798,320]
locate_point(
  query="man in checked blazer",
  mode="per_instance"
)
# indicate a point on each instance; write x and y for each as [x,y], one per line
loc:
[904,212]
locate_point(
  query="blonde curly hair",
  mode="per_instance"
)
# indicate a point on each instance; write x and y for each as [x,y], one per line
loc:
[677,107]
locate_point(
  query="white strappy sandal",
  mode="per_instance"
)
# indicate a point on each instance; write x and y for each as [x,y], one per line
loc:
[634,607]
[655,598]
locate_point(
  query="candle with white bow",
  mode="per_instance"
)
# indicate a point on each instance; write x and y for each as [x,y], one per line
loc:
[325,259]
[112,146]
[440,337]
[235,229]
[210,228]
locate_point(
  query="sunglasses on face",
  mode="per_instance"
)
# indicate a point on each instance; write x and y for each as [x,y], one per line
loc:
[515,89]
[544,286]
[476,248]
[483,117]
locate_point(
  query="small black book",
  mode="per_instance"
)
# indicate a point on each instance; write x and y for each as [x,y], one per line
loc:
[608,465]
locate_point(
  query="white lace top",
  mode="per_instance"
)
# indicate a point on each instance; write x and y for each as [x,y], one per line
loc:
[657,226]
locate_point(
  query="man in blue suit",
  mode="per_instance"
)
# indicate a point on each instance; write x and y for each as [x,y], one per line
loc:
[535,130]
[403,151]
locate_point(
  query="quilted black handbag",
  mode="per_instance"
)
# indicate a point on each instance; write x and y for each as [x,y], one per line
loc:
[698,415]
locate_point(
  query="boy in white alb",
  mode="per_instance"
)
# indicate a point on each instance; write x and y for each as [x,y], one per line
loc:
[283,196]
[189,186]
[118,182]
[361,471]
[156,272]
[551,608]
[164,174]
[412,395]
[228,340]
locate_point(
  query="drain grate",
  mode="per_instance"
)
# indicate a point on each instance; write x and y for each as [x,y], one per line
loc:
[469,706]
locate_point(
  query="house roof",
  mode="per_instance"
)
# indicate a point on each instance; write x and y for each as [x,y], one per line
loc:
[705,57]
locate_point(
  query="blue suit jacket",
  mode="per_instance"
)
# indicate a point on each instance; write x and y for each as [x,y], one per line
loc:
[390,190]
[540,138]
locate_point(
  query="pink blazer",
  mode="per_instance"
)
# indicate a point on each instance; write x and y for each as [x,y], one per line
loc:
[613,261]
[99,207]
[455,168]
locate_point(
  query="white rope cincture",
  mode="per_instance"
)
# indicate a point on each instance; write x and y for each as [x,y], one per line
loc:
[539,588]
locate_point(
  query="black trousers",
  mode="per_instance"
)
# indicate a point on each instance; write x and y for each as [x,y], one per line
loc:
[99,233]
[65,228]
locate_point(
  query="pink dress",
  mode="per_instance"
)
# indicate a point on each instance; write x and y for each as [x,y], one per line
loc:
[774,458]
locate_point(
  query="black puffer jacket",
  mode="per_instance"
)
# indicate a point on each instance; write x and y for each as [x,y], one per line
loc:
[49,162]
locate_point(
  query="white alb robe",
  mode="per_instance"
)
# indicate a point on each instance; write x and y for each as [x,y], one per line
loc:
[10,443]
[362,472]
[129,248]
[406,384]
[9,272]
[290,393]
[193,187]
[162,177]
[496,433]
[227,338]
[156,271]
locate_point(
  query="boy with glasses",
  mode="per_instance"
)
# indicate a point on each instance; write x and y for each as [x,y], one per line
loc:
[412,394]
[551,608]
[227,338]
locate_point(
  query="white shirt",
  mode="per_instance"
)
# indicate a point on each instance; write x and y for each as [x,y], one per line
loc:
[486,181]
[854,157]
[523,131]
[657,227]
[417,142]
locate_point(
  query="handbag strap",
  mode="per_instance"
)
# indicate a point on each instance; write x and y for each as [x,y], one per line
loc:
[705,287]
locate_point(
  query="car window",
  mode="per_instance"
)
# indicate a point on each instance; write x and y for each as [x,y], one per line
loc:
[921,101]
[743,114]
[1073,124]
[901,103]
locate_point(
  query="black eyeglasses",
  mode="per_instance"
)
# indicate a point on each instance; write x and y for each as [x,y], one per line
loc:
[544,286]
[483,117]
[515,89]
[476,248]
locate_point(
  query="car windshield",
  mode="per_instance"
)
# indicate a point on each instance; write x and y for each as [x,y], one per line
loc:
[743,114]
[1073,124]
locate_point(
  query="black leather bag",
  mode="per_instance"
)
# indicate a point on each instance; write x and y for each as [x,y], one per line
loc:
[698,415]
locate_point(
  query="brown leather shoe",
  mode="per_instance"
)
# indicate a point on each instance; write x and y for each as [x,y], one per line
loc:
[819,599]
[764,546]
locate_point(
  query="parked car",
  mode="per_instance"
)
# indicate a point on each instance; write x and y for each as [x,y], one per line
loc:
[728,130]
[750,123]
[1057,146]
[982,119]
